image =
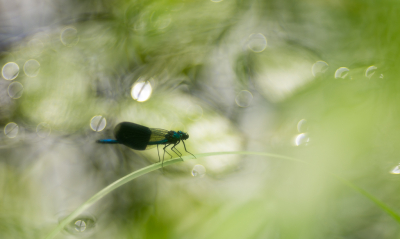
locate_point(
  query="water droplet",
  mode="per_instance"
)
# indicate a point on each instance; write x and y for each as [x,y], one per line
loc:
[370,71]
[43,130]
[198,171]
[302,139]
[244,98]
[31,68]
[15,90]
[11,130]
[395,170]
[98,123]
[302,126]
[10,71]
[141,90]
[342,72]
[82,225]
[257,42]
[195,112]
[69,36]
[319,67]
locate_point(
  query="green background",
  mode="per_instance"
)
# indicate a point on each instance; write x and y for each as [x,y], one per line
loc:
[236,75]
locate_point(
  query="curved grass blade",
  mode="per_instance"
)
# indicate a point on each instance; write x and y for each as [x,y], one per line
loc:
[156,166]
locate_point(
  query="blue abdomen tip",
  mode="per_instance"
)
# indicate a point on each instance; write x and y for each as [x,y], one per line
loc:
[107,141]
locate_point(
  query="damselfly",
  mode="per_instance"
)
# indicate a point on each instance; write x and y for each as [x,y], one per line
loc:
[140,137]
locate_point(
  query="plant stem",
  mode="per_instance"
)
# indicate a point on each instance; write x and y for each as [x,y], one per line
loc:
[156,166]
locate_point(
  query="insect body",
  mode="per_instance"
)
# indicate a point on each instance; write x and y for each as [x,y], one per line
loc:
[140,137]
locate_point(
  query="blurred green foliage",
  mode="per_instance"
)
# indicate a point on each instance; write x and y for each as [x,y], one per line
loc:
[198,56]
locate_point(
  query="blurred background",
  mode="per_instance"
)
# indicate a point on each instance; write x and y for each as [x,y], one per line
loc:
[315,80]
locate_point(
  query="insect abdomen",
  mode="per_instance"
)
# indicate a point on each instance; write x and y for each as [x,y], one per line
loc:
[164,141]
[107,141]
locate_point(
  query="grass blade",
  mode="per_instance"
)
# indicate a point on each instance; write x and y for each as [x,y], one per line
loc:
[156,166]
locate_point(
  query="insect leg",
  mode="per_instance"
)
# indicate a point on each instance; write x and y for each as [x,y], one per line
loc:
[162,164]
[186,149]
[158,152]
[176,151]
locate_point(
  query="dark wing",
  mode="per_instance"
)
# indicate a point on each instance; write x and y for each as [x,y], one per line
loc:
[157,135]
[132,135]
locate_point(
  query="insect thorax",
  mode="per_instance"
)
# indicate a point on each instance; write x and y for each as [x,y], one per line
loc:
[173,136]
